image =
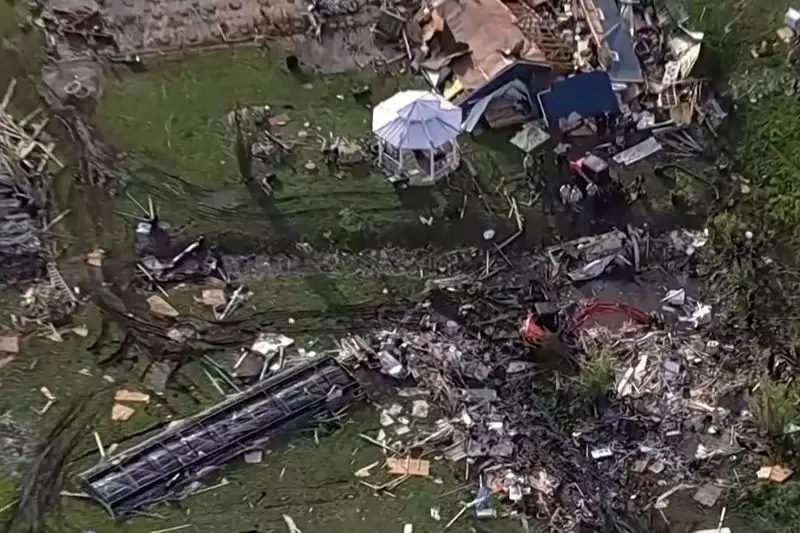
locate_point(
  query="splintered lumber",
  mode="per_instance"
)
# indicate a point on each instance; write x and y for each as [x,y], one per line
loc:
[9,94]
[408,466]
[15,137]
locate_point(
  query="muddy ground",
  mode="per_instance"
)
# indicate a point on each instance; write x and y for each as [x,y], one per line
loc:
[168,123]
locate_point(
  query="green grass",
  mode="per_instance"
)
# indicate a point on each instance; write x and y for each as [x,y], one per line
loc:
[312,483]
[766,140]
[174,116]
[775,406]
[173,113]
[595,378]
[18,55]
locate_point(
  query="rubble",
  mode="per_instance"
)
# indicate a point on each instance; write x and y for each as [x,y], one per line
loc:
[22,201]
[496,353]
[168,258]
[658,418]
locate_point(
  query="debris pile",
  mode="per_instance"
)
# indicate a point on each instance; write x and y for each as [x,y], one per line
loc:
[49,302]
[25,139]
[612,85]
[626,61]
[23,156]
[522,414]
[21,225]
[167,257]
[498,419]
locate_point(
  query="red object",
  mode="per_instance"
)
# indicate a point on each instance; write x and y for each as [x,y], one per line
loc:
[590,308]
[576,166]
[535,335]
[532,332]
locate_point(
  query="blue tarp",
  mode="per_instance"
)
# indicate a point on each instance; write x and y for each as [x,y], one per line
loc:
[625,67]
[588,95]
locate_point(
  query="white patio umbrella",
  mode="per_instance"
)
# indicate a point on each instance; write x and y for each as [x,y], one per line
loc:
[416,120]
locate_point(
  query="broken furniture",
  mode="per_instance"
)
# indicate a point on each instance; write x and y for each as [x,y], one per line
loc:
[167,465]
[416,133]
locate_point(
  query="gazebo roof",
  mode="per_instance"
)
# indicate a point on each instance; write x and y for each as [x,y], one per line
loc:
[416,120]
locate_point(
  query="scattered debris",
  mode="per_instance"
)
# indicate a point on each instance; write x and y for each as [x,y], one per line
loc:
[707,495]
[253,456]
[409,467]
[214,298]
[291,524]
[51,399]
[9,344]
[121,413]
[160,306]
[95,257]
[171,529]
[776,474]
[367,470]
[124,395]
[419,409]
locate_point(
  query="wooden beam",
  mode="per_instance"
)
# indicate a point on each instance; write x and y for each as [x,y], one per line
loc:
[9,93]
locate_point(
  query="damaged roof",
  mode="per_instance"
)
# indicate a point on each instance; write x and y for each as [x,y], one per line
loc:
[489,29]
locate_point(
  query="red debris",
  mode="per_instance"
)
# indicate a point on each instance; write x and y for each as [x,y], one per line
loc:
[533,333]
[592,308]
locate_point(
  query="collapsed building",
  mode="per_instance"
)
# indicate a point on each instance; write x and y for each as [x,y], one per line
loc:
[479,56]
[498,59]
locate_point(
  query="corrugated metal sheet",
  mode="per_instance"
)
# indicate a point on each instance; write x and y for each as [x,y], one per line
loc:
[164,466]
[613,33]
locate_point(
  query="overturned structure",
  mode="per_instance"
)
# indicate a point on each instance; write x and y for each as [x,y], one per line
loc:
[166,466]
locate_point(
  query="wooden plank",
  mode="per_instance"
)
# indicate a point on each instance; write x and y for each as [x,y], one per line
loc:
[9,93]
[30,116]
[48,149]
[23,152]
